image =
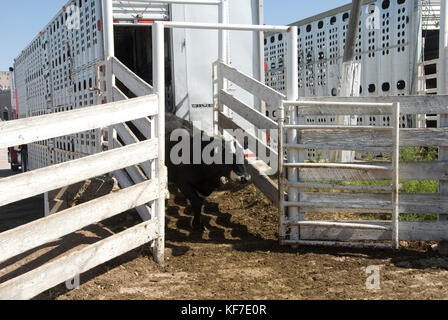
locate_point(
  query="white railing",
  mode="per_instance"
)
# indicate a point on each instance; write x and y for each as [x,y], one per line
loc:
[296,229]
[290,222]
[37,233]
[317,196]
[222,73]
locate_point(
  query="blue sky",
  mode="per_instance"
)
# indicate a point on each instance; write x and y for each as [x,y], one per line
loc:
[21,20]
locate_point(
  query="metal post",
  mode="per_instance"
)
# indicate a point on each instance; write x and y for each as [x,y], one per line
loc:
[396,177]
[158,38]
[223,34]
[223,46]
[109,52]
[292,94]
[281,173]
[442,85]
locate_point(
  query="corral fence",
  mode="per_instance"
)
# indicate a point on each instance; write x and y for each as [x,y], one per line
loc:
[308,190]
[24,238]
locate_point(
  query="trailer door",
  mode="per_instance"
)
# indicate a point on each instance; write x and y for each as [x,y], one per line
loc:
[194,52]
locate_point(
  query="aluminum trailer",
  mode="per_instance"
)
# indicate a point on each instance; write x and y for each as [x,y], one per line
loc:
[397,47]
[63,67]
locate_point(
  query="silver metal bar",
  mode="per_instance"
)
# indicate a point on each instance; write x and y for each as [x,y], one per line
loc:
[302,185]
[337,244]
[337,104]
[342,225]
[199,2]
[396,177]
[327,127]
[220,26]
[282,174]
[338,166]
[292,93]
[339,147]
[337,205]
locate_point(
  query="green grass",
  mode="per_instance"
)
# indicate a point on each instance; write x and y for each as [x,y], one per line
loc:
[407,154]
[259,195]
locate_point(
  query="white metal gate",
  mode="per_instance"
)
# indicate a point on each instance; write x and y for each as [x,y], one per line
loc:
[305,136]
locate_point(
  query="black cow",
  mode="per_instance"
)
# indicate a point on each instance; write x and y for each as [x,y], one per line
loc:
[198,181]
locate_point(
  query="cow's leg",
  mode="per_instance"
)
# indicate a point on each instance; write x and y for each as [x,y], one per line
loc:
[196,203]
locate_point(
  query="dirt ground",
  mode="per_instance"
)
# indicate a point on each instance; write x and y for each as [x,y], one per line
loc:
[236,257]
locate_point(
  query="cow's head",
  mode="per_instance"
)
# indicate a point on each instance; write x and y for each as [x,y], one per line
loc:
[236,171]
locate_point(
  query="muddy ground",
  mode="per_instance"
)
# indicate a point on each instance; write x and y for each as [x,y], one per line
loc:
[236,257]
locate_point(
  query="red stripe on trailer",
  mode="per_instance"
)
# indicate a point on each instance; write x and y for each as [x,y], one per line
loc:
[146,21]
[251,155]
[99,24]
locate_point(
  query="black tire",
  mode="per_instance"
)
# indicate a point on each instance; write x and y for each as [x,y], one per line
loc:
[14,168]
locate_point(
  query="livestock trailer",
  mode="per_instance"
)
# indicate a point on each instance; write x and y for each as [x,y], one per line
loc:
[397,47]
[63,67]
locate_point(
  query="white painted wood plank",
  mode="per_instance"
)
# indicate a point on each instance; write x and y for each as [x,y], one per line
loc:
[253,116]
[338,244]
[339,205]
[362,138]
[226,123]
[133,82]
[136,174]
[435,170]
[253,86]
[57,176]
[408,105]
[27,130]
[143,124]
[268,187]
[409,203]
[304,102]
[338,187]
[49,275]
[339,224]
[261,181]
[129,138]
[124,181]
[118,94]
[32,235]
[408,231]
[337,147]
[340,166]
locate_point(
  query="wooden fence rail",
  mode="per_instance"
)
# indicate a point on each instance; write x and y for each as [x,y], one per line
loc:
[355,199]
[28,130]
[150,188]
